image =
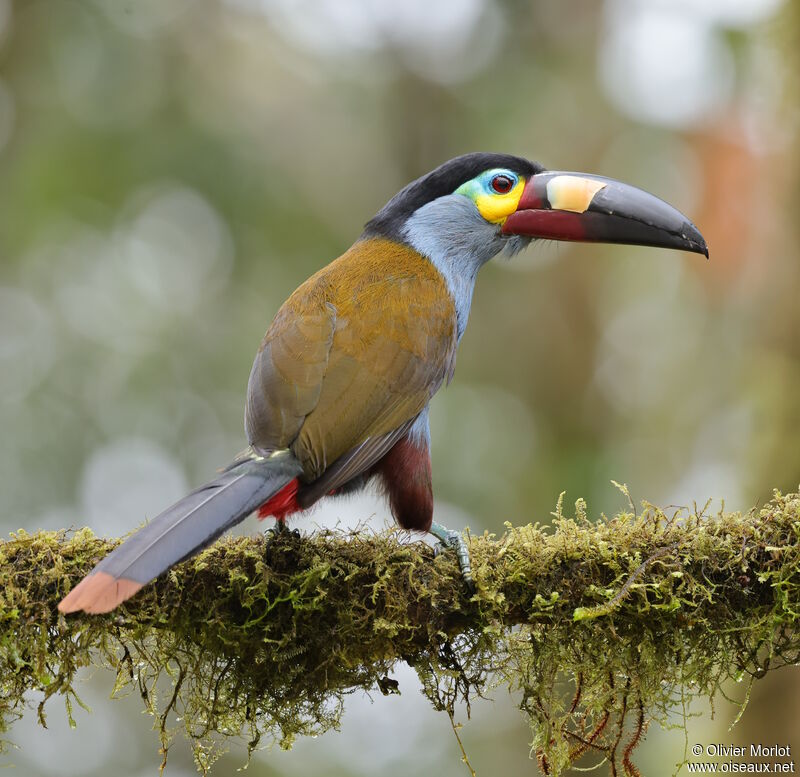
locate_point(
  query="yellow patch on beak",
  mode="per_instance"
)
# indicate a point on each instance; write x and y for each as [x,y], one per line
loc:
[496,208]
[570,192]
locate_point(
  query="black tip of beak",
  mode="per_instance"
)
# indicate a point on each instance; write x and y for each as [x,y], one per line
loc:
[634,216]
[687,238]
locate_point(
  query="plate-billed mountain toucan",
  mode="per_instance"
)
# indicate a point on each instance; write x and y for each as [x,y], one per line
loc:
[339,390]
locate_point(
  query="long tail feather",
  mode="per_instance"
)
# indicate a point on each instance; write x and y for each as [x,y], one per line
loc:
[180,531]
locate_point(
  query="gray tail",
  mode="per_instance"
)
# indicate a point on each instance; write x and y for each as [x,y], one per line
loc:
[182,530]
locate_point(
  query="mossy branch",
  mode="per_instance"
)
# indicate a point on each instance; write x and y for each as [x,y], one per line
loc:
[599,627]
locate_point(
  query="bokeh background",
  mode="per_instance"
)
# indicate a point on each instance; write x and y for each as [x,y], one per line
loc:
[170,170]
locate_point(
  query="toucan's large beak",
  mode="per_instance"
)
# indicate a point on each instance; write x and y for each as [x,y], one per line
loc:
[590,208]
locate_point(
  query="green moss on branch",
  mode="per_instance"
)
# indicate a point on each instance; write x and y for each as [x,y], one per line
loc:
[599,627]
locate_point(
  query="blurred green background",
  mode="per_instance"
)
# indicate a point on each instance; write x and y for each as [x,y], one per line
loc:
[170,170]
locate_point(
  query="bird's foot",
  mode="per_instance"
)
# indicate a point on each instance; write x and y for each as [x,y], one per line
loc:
[280,529]
[448,538]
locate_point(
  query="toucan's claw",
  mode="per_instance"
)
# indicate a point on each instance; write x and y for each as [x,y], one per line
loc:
[280,529]
[450,539]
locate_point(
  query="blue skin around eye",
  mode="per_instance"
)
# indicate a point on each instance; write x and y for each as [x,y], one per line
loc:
[483,183]
[487,177]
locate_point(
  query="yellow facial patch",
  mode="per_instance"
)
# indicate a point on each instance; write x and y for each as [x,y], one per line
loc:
[571,192]
[496,208]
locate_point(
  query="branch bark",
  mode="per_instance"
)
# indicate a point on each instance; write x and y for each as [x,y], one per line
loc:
[598,626]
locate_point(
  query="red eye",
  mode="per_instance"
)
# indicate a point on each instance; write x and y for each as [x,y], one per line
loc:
[502,184]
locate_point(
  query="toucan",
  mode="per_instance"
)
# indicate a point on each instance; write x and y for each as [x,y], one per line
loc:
[339,391]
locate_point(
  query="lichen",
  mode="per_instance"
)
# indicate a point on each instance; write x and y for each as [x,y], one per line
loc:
[598,627]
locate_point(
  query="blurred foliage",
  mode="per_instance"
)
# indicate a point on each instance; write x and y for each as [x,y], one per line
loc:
[170,170]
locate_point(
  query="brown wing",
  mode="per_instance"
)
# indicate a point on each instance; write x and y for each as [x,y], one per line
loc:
[355,352]
[287,374]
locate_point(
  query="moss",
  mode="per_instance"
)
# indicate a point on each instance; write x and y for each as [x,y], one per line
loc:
[599,627]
